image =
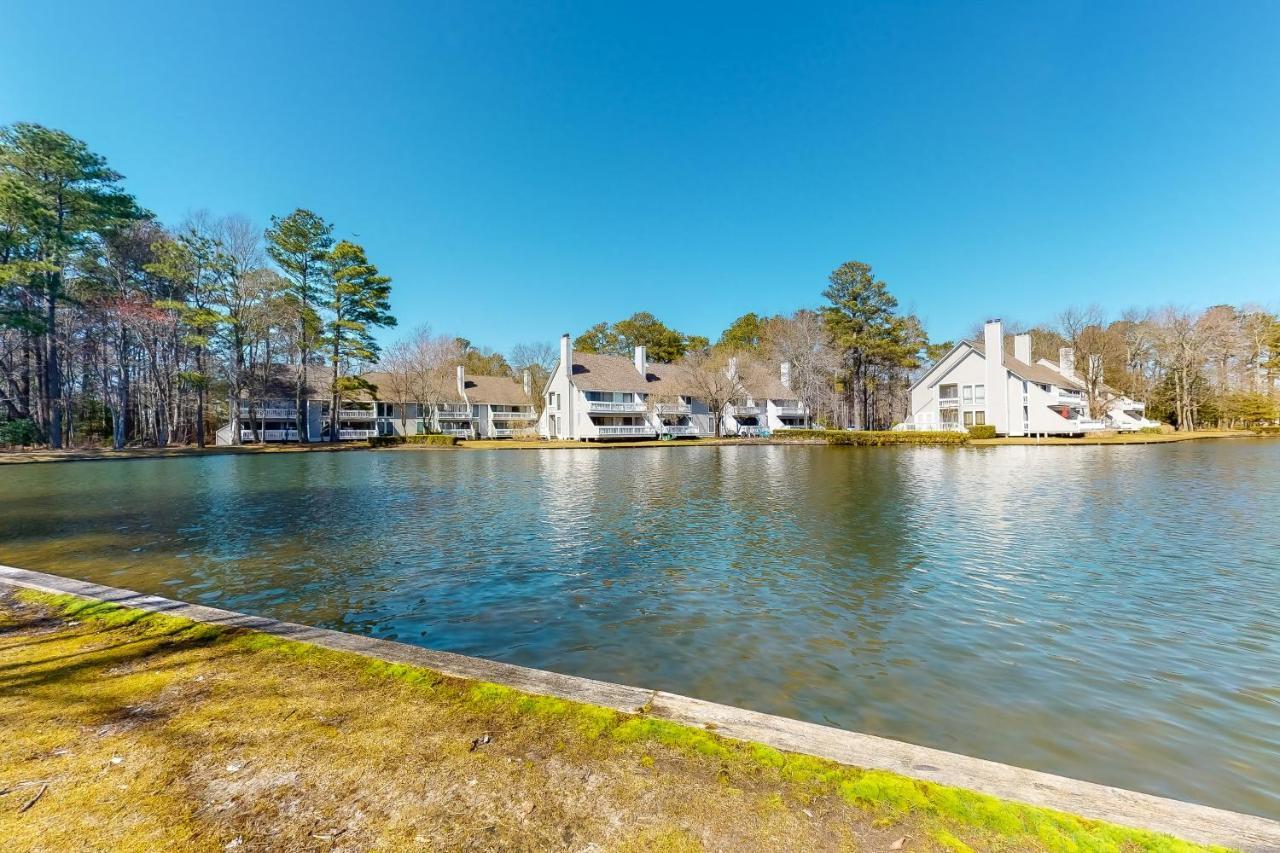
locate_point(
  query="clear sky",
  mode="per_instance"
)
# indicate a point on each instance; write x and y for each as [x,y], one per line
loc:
[524,169]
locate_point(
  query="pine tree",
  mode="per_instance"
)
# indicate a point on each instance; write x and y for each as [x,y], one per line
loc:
[357,300]
[299,244]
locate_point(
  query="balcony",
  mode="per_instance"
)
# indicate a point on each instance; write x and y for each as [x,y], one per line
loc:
[610,406]
[269,414]
[459,432]
[454,413]
[679,429]
[789,411]
[624,430]
[673,409]
[349,434]
[356,414]
[525,415]
[269,435]
[741,410]
[508,432]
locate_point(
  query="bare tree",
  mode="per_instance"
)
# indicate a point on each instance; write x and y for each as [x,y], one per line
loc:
[712,380]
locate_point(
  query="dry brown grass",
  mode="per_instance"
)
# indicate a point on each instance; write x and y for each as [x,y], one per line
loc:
[143,732]
[1118,438]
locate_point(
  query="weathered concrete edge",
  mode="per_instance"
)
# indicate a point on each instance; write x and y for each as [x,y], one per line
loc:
[1099,802]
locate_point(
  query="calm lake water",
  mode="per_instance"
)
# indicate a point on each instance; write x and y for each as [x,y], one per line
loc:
[1109,613]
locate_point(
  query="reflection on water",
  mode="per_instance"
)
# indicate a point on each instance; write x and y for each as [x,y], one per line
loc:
[1106,613]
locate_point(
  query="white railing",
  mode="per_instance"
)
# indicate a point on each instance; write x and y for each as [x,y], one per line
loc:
[269,435]
[346,434]
[460,433]
[505,432]
[674,429]
[752,432]
[673,408]
[738,410]
[356,414]
[513,416]
[789,411]
[269,414]
[934,426]
[610,406]
[454,412]
[625,430]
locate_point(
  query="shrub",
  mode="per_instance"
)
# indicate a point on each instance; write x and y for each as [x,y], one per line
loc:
[1267,430]
[396,440]
[1151,430]
[18,432]
[438,440]
[982,431]
[873,437]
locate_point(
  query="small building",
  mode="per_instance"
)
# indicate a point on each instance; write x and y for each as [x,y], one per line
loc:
[676,408]
[592,396]
[767,402]
[501,406]
[978,383]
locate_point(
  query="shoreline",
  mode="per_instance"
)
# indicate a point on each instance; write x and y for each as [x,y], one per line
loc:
[21,457]
[686,717]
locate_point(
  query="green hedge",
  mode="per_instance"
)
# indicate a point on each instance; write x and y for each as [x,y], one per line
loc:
[395,440]
[982,431]
[873,437]
[1266,430]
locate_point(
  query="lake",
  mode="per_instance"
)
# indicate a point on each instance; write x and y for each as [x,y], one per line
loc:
[1107,613]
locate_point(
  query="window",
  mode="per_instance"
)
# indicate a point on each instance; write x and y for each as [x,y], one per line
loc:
[968,419]
[979,393]
[948,392]
[968,394]
[950,417]
[979,418]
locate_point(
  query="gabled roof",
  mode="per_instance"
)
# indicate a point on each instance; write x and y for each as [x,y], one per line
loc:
[282,381]
[1030,372]
[762,383]
[671,380]
[499,390]
[598,372]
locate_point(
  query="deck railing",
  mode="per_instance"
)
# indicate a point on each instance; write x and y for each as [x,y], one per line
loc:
[269,435]
[348,434]
[625,430]
[611,406]
[356,414]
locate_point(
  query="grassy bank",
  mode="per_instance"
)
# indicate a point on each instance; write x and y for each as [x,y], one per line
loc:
[134,731]
[1119,438]
[88,454]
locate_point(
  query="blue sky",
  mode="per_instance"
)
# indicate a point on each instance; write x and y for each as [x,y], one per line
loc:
[526,169]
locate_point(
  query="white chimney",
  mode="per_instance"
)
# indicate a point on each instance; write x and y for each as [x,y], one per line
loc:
[1022,348]
[785,371]
[566,354]
[997,378]
[528,384]
[642,361]
[1067,362]
[462,381]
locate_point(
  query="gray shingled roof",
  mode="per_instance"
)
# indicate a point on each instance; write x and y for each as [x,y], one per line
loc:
[1031,372]
[764,382]
[499,390]
[597,372]
[672,380]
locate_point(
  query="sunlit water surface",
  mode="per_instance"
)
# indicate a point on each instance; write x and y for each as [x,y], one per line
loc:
[1109,613]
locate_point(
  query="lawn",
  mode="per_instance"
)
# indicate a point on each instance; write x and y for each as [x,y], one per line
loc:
[132,731]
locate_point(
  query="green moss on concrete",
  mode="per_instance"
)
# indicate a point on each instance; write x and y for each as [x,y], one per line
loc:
[948,813]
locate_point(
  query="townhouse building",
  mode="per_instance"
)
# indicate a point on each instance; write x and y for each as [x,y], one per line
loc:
[978,382]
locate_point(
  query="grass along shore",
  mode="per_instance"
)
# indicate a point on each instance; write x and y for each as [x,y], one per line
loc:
[793,437]
[142,731]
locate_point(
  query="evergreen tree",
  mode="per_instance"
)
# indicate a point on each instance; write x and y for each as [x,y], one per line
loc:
[357,299]
[299,244]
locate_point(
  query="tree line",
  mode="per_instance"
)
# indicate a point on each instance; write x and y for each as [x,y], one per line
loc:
[114,327]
